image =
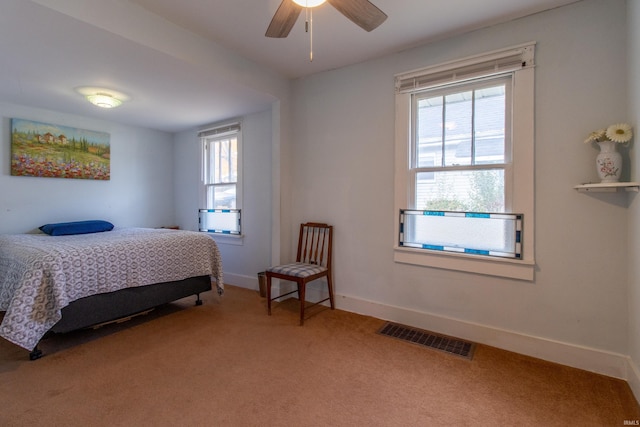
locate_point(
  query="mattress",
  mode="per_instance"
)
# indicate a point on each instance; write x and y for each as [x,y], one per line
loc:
[41,274]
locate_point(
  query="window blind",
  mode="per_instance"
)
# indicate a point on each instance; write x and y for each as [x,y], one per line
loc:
[497,62]
[220,130]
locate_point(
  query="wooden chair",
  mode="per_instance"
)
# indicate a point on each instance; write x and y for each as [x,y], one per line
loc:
[313,261]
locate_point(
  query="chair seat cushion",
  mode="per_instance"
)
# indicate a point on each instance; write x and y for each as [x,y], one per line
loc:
[298,269]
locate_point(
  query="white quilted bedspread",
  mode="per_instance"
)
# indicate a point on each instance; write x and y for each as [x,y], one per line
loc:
[41,274]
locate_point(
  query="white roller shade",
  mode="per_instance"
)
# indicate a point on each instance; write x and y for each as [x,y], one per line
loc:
[496,62]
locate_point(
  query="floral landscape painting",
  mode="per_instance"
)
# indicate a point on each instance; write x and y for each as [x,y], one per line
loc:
[46,150]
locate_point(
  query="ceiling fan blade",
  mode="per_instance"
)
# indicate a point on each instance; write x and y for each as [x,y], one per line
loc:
[284,19]
[361,12]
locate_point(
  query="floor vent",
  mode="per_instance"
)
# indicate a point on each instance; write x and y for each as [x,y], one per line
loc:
[443,343]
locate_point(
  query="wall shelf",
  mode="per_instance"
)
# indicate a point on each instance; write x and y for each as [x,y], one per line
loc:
[608,187]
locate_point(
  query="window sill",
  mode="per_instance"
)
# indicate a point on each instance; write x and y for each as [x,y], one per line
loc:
[513,269]
[228,239]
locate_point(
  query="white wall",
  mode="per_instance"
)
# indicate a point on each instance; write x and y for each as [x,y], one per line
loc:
[574,312]
[140,192]
[633,252]
[241,258]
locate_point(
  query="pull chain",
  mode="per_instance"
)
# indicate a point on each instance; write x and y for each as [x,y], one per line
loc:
[311,35]
[308,28]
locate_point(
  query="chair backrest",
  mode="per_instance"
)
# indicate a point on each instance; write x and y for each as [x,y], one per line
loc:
[314,244]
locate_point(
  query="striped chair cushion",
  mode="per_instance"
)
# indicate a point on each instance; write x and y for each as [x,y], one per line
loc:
[298,269]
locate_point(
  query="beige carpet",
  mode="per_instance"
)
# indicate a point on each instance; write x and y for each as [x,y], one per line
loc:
[227,363]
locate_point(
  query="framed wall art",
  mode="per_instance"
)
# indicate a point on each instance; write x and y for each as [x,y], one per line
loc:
[53,151]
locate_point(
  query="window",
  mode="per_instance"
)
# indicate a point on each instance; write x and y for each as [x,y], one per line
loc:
[464,143]
[460,151]
[221,202]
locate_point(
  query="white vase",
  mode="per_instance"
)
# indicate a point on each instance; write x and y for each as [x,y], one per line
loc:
[609,162]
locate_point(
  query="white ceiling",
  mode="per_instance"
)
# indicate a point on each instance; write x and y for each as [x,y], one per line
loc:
[50,47]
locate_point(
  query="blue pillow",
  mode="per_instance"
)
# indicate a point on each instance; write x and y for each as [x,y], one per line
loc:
[77,227]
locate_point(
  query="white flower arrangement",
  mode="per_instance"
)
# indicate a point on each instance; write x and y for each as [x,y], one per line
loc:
[620,133]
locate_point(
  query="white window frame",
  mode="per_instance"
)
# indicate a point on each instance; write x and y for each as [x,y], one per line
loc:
[518,60]
[505,166]
[214,133]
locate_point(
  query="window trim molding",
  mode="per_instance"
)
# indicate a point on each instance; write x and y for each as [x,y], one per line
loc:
[522,163]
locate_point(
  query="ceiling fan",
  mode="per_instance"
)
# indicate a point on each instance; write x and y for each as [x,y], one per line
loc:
[361,12]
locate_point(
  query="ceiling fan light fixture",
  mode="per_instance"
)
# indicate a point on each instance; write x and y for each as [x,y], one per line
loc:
[363,13]
[309,3]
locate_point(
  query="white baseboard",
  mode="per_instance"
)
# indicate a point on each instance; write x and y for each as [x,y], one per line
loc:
[590,359]
[242,281]
[633,377]
[581,357]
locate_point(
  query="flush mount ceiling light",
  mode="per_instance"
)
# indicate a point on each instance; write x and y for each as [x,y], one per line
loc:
[101,97]
[104,100]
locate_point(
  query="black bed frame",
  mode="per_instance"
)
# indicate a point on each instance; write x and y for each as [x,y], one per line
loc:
[104,308]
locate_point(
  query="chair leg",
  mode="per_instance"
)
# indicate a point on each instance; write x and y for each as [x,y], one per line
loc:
[301,294]
[330,286]
[269,294]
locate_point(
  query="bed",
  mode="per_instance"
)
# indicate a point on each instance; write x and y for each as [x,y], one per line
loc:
[59,283]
